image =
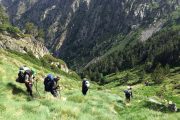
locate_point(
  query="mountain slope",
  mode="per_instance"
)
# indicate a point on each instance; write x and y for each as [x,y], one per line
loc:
[76,29]
[13,39]
[101,103]
[15,104]
[162,47]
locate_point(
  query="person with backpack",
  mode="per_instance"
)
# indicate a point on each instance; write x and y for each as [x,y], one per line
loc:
[26,76]
[128,94]
[51,84]
[85,86]
[29,76]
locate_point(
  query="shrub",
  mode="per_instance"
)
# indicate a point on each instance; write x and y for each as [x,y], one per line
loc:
[13,30]
[158,74]
[50,58]
[3,27]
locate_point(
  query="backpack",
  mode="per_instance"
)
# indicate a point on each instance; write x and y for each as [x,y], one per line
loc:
[47,82]
[21,77]
[126,92]
[86,83]
[29,72]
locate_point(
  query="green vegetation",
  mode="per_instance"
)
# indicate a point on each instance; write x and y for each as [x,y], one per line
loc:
[30,28]
[3,16]
[101,103]
[6,26]
[33,30]
[45,62]
[163,47]
[125,61]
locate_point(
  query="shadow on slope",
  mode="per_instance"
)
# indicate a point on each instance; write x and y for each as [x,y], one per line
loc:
[15,89]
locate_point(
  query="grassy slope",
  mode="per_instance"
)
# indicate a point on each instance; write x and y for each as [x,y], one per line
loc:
[140,107]
[100,103]
[15,104]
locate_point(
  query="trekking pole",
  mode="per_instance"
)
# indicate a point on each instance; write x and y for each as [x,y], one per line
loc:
[59,93]
[36,88]
[59,90]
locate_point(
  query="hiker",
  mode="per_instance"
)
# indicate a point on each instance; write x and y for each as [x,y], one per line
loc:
[85,86]
[128,94]
[172,106]
[29,76]
[146,83]
[51,84]
[26,76]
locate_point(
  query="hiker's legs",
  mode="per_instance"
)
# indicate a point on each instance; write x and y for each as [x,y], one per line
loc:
[54,93]
[84,90]
[128,98]
[29,88]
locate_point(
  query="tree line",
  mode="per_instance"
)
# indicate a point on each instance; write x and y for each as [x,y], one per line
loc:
[162,48]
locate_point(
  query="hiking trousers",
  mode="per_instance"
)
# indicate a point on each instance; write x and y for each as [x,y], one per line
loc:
[29,88]
[54,93]
[84,90]
[128,97]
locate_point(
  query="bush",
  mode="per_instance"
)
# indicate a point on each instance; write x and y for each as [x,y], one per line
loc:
[29,56]
[13,30]
[158,74]
[3,27]
[50,58]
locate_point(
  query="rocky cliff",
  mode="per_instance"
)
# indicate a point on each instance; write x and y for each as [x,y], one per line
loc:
[76,28]
[23,45]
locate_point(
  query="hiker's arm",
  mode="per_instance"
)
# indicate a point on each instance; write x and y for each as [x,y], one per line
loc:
[57,86]
[31,79]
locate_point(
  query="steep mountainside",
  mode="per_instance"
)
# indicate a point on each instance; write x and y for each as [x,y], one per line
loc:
[12,38]
[80,30]
[23,45]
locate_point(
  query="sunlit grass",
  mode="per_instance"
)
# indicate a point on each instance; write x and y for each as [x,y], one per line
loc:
[99,104]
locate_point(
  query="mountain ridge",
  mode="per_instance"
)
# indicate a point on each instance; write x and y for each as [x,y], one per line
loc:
[75,28]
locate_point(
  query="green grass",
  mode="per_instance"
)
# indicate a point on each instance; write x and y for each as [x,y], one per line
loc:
[101,103]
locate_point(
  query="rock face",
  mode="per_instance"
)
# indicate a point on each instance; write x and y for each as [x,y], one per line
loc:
[75,28]
[23,45]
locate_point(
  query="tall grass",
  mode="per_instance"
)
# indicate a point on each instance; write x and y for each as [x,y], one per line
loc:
[99,104]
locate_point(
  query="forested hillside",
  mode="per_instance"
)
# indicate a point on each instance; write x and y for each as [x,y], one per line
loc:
[79,31]
[128,52]
[162,48]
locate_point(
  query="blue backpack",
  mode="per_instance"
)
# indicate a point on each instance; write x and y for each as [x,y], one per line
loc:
[47,82]
[50,77]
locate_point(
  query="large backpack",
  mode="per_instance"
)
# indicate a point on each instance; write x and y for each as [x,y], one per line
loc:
[21,77]
[86,83]
[47,82]
[22,73]
[127,93]
[28,72]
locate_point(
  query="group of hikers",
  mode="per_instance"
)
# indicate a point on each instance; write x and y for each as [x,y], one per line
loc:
[27,76]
